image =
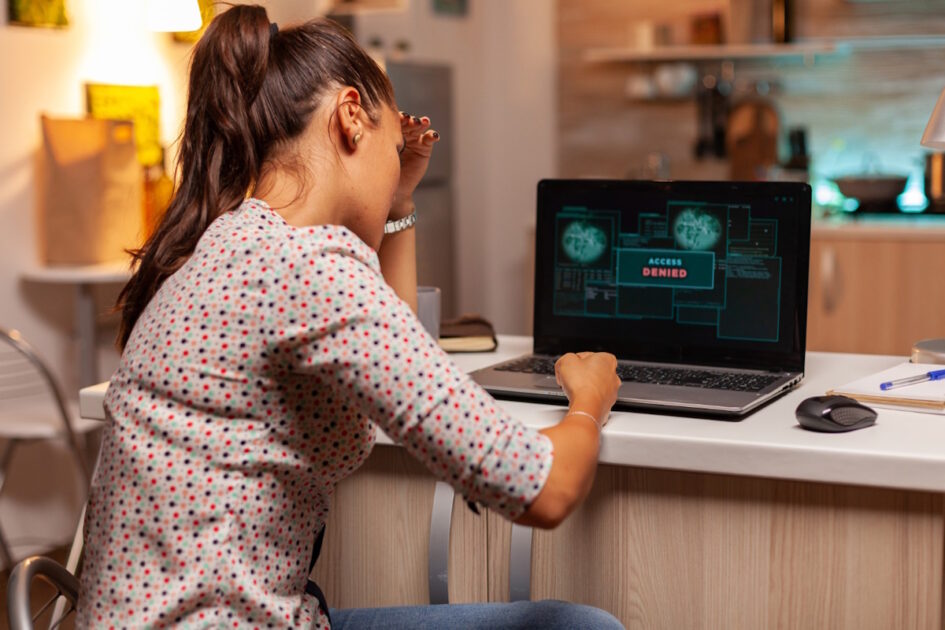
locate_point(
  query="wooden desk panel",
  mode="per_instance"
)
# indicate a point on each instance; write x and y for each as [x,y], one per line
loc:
[667,549]
[376,544]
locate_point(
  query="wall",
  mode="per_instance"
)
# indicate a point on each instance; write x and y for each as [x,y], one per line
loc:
[43,70]
[859,101]
[503,56]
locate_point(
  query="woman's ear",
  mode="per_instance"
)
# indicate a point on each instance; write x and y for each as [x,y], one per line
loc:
[351,118]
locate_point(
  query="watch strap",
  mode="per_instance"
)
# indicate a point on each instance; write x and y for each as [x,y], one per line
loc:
[401,224]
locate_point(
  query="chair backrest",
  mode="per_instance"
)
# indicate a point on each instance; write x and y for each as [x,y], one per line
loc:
[20,585]
[23,375]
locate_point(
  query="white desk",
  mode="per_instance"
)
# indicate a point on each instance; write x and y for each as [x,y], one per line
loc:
[903,450]
[691,523]
[84,278]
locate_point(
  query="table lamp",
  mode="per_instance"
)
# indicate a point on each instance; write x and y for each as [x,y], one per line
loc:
[934,136]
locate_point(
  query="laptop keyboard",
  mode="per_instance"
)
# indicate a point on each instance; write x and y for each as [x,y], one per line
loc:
[686,377]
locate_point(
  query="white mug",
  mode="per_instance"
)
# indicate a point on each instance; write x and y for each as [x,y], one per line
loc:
[428,309]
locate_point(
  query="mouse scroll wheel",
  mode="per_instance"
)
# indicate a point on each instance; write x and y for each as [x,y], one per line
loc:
[846,415]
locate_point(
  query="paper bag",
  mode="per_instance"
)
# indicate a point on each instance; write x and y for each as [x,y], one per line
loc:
[91,191]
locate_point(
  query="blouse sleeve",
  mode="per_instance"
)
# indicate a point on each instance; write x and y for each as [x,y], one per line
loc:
[363,342]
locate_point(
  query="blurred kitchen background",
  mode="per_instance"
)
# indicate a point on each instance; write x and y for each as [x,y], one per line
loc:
[833,92]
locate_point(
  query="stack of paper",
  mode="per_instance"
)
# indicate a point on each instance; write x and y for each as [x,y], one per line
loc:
[928,396]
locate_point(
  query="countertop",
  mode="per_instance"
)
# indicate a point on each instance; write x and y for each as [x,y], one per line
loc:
[904,450]
[922,227]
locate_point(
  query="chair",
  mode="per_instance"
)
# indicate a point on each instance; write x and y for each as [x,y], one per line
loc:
[32,407]
[19,590]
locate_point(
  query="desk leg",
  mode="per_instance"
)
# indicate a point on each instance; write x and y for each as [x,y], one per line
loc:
[85,333]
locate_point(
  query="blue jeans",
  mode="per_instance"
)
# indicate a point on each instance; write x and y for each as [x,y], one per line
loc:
[546,615]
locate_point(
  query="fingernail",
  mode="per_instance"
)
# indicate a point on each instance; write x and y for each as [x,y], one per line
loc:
[436,134]
[404,114]
[416,120]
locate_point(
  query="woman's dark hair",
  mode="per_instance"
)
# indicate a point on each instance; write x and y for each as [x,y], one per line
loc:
[252,87]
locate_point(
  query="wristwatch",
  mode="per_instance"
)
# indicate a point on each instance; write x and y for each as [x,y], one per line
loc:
[401,224]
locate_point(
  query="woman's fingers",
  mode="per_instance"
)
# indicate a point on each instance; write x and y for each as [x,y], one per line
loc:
[419,139]
[414,124]
[418,135]
[558,363]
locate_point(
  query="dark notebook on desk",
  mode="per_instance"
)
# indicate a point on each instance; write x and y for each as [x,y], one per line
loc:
[698,288]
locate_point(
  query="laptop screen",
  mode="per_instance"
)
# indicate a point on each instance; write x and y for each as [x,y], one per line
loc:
[710,273]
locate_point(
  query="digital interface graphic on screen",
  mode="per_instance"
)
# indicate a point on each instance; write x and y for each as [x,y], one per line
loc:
[693,263]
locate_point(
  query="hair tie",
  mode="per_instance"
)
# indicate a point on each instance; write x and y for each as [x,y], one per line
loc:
[273,29]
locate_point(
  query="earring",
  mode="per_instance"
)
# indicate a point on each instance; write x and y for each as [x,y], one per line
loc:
[356,139]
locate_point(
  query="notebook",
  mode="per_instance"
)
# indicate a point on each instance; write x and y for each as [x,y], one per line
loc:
[468,333]
[698,288]
[928,396]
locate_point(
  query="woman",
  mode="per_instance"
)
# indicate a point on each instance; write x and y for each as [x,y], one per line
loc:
[264,337]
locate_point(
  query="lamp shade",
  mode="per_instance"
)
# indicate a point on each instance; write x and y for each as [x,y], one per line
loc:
[934,136]
[178,16]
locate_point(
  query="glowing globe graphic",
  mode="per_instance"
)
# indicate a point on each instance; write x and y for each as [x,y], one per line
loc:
[696,229]
[583,242]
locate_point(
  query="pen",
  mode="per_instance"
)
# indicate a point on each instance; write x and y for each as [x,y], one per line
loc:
[934,375]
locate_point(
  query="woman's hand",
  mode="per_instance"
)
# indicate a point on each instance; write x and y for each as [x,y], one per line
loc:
[590,381]
[414,159]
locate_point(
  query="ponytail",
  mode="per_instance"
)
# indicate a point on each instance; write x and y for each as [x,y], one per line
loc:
[251,88]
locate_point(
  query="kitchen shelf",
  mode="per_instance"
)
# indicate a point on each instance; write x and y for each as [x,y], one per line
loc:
[721,52]
[733,52]
[890,42]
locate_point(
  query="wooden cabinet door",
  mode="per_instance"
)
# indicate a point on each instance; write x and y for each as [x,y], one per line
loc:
[875,295]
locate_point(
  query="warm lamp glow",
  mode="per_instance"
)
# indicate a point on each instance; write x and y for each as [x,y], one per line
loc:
[120,48]
[934,136]
[179,16]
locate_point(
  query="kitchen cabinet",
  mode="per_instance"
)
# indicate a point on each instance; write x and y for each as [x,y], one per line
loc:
[876,286]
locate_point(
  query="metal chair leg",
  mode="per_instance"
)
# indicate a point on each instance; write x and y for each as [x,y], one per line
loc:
[75,552]
[18,589]
[6,556]
[72,562]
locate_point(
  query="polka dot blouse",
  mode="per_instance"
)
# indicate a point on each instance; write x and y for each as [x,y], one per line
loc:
[250,386]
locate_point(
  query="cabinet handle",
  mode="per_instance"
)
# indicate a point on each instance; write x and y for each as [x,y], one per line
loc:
[830,279]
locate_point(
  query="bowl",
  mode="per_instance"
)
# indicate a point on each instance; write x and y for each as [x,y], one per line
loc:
[872,188]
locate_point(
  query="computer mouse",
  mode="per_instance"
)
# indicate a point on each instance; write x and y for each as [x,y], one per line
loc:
[833,414]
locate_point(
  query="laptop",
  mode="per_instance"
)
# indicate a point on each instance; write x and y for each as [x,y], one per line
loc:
[698,288]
